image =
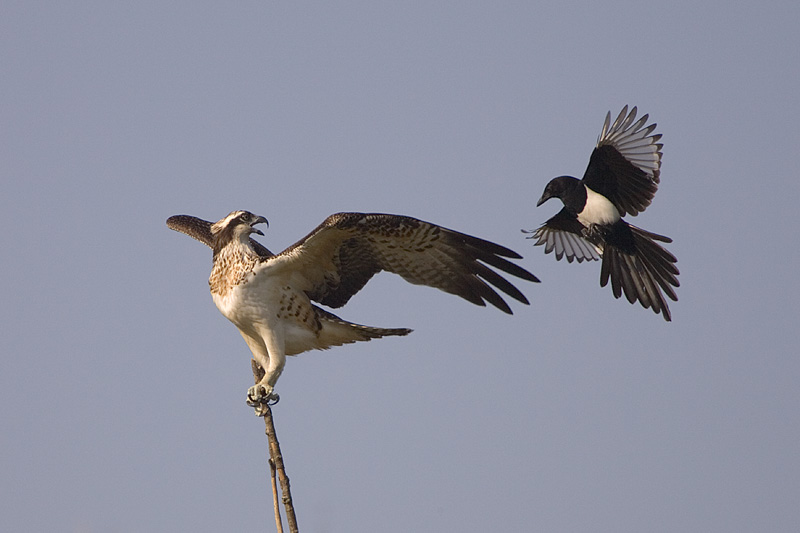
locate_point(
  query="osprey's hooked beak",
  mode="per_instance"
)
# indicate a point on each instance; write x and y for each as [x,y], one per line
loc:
[259,220]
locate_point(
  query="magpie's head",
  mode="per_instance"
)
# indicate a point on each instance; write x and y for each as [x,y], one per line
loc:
[237,225]
[557,188]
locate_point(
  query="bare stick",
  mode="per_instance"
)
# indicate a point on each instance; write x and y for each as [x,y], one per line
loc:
[276,457]
[275,505]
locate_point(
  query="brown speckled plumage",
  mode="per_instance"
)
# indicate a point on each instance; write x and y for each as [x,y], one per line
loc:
[231,267]
[268,297]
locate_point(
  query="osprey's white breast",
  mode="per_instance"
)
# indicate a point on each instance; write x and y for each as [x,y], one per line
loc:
[266,305]
[237,290]
[247,301]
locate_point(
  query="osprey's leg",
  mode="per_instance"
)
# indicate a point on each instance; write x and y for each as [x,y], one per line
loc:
[272,360]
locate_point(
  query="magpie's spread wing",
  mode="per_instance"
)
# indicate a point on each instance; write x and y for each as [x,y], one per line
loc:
[564,234]
[626,164]
[200,229]
[340,256]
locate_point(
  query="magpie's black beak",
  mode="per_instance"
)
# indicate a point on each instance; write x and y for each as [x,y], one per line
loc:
[545,196]
[259,220]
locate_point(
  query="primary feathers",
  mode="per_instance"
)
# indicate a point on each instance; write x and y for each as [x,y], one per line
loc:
[622,178]
[268,296]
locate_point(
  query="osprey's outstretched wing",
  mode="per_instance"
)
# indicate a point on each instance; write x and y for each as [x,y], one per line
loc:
[336,260]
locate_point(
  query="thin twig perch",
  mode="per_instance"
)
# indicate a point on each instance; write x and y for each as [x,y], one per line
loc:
[275,505]
[276,460]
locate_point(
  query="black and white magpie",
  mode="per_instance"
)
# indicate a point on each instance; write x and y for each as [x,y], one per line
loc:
[622,178]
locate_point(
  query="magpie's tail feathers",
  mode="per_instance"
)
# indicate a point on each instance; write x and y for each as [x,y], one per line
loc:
[646,274]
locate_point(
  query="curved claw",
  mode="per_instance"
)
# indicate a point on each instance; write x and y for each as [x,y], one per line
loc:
[260,397]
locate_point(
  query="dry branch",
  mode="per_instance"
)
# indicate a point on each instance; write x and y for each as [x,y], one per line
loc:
[276,459]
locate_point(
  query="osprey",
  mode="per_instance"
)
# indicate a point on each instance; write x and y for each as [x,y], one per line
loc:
[268,297]
[622,178]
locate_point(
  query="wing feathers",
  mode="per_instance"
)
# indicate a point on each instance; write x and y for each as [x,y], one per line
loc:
[494,255]
[493,278]
[564,234]
[358,245]
[194,227]
[342,254]
[200,229]
[625,166]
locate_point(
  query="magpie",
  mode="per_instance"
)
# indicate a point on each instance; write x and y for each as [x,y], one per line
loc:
[622,178]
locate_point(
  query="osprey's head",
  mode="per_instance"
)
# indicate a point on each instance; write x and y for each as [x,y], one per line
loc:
[237,225]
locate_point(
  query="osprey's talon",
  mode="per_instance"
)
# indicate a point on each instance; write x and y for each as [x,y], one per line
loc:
[260,396]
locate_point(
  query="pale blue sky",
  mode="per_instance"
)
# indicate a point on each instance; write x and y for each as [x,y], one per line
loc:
[122,387]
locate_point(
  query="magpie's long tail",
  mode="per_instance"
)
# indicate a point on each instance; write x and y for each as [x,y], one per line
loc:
[642,269]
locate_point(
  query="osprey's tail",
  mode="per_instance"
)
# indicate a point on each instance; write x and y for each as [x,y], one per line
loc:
[363,333]
[335,331]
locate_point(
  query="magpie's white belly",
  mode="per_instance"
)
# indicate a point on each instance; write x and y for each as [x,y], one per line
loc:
[598,210]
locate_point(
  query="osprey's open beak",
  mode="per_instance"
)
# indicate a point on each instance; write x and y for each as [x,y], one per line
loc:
[259,220]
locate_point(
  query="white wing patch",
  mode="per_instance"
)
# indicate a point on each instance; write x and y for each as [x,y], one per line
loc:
[566,244]
[633,141]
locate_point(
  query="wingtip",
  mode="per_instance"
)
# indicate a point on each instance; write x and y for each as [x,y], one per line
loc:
[171,221]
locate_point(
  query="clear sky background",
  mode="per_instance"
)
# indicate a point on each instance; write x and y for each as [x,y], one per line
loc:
[122,387]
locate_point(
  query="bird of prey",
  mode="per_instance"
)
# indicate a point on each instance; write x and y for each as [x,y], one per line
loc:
[622,178]
[268,297]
